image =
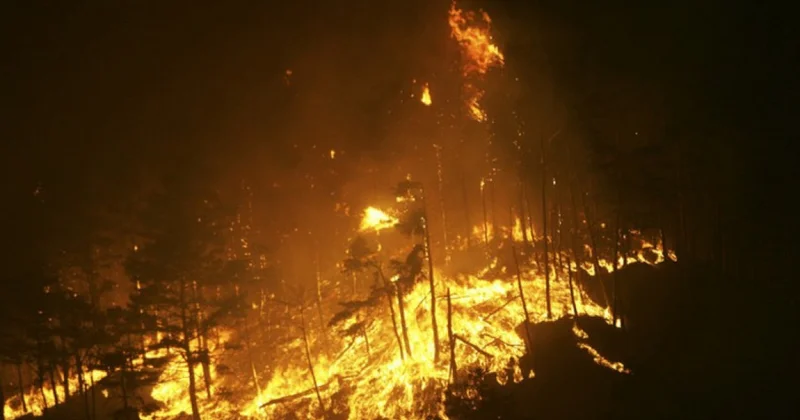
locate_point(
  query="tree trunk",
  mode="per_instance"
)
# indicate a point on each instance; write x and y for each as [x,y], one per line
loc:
[366,341]
[2,398]
[595,257]
[187,348]
[202,339]
[493,202]
[571,288]
[467,218]
[402,307]
[192,385]
[44,396]
[544,230]
[65,369]
[453,366]
[524,305]
[391,310]
[440,178]
[54,384]
[485,217]
[124,389]
[311,365]
[560,262]
[94,394]
[614,307]
[21,388]
[82,385]
[249,349]
[522,215]
[432,283]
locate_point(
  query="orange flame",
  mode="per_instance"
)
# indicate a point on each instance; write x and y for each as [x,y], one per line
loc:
[376,219]
[472,31]
[426,95]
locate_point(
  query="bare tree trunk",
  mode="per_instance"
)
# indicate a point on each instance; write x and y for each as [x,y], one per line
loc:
[82,385]
[453,366]
[249,349]
[401,305]
[533,234]
[614,308]
[575,237]
[44,396]
[202,340]
[318,279]
[65,368]
[440,178]
[544,229]
[2,398]
[595,257]
[522,299]
[493,203]
[485,216]
[391,310]
[310,364]
[94,394]
[366,341]
[571,288]
[187,348]
[54,384]
[522,215]
[432,283]
[21,388]
[124,388]
[465,199]
[559,234]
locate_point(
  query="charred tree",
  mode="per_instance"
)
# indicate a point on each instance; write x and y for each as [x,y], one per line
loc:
[21,387]
[522,299]
[402,307]
[310,363]
[544,230]
[388,293]
[432,280]
[451,341]
[465,203]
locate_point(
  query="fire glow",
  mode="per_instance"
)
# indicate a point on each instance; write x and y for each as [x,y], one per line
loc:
[377,220]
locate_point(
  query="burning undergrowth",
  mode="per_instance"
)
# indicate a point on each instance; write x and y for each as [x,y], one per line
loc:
[375,357]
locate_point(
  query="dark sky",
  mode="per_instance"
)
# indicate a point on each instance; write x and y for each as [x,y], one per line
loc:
[94,89]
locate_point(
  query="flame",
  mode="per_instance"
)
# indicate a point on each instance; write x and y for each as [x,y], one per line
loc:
[384,385]
[426,95]
[472,31]
[376,219]
[377,382]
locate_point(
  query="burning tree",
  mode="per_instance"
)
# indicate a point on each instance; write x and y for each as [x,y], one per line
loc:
[176,271]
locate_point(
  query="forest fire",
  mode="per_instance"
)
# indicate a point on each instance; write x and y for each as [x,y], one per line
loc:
[309,286]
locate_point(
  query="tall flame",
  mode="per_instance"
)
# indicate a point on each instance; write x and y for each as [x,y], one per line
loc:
[473,33]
